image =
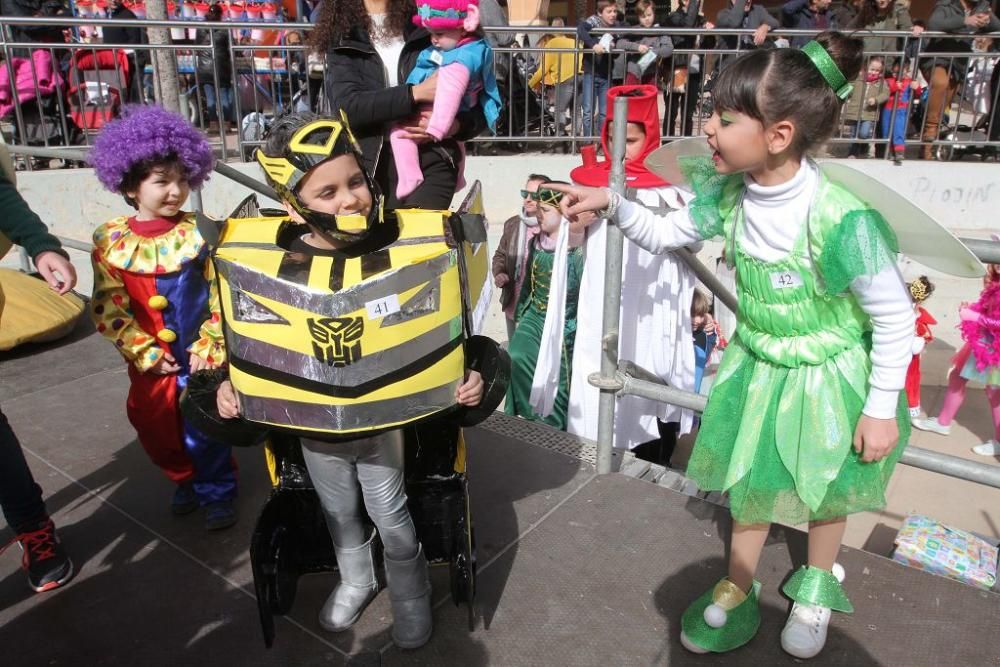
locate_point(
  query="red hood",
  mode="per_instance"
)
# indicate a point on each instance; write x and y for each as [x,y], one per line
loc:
[642,108]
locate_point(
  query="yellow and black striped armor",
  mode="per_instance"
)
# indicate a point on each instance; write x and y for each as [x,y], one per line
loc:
[341,345]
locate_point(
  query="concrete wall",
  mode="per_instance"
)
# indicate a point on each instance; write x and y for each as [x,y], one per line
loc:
[962,195]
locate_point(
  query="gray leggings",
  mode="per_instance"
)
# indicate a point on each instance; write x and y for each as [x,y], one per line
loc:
[376,463]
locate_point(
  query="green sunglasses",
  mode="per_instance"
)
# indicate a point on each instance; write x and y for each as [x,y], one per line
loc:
[550,197]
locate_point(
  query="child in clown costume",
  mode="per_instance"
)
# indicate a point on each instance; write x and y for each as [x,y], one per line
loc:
[656,295]
[155,298]
[804,417]
[463,63]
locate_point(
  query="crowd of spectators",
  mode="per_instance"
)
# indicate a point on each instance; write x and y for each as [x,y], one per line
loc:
[563,78]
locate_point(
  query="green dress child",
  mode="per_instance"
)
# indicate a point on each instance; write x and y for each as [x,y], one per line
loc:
[777,434]
[778,431]
[530,319]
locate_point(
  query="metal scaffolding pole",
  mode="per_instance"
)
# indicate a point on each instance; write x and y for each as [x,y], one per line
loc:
[612,299]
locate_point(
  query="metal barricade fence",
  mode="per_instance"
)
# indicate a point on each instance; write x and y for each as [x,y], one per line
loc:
[544,89]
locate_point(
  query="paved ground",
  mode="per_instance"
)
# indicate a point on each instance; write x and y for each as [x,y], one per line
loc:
[574,568]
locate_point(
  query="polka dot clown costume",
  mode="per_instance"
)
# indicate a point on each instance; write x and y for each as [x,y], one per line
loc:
[155,297]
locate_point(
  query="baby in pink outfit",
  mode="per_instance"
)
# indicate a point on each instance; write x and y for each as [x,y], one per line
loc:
[463,62]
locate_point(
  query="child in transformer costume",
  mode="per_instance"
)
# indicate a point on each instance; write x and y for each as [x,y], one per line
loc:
[347,324]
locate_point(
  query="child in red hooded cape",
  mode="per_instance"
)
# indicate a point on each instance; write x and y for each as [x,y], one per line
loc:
[656,292]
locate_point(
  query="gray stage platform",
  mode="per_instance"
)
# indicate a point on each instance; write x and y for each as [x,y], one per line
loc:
[575,569]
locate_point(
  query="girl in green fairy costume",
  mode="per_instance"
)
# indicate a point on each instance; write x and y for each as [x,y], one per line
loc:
[804,423]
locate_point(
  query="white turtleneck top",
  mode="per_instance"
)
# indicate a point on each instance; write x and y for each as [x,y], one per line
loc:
[773,220]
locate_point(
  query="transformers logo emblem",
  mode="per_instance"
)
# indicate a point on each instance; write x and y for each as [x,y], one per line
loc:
[336,340]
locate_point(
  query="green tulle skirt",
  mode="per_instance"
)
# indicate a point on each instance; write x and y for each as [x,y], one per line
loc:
[779,440]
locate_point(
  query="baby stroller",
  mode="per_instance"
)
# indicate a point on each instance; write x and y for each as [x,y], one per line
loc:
[525,112]
[98,79]
[35,106]
[968,140]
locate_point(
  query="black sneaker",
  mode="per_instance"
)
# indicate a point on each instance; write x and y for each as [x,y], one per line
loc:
[185,500]
[44,559]
[220,515]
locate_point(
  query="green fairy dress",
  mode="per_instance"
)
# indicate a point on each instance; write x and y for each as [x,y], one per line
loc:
[527,337]
[777,434]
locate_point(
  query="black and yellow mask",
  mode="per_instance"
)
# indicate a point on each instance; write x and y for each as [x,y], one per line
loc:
[311,146]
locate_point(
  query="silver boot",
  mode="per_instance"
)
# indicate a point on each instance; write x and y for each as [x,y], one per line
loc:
[410,593]
[358,587]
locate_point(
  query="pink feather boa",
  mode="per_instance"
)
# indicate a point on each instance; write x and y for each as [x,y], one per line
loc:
[983,333]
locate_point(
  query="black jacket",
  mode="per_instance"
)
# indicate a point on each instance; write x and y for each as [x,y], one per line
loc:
[685,17]
[34,8]
[118,34]
[356,84]
[219,54]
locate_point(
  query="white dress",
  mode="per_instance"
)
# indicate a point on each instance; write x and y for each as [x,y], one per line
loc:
[655,332]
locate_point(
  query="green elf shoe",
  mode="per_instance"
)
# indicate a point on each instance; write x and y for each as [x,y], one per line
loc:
[811,585]
[722,619]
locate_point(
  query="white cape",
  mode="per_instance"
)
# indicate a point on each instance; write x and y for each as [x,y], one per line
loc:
[545,382]
[655,331]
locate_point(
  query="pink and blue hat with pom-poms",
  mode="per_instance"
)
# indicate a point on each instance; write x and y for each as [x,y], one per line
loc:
[442,14]
[149,132]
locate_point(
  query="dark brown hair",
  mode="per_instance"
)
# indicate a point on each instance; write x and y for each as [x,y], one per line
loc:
[604,4]
[772,85]
[869,13]
[338,17]
[141,170]
[642,5]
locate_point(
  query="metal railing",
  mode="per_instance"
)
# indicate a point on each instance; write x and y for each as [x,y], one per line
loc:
[622,377]
[548,116]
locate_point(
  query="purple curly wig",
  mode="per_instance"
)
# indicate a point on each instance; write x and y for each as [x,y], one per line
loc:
[149,132]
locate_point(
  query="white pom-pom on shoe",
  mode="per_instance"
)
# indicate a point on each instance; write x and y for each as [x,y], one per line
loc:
[715,616]
[838,571]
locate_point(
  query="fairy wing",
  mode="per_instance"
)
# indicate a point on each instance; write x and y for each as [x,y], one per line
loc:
[665,160]
[921,237]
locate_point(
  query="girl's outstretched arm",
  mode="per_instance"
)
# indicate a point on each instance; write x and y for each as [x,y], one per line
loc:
[656,233]
[651,232]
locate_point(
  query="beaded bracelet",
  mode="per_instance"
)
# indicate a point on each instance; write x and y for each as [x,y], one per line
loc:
[614,201]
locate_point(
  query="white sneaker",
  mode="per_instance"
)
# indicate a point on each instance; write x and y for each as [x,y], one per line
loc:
[988,448]
[805,632]
[931,424]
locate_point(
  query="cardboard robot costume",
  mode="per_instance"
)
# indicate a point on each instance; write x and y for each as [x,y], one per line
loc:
[343,348]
